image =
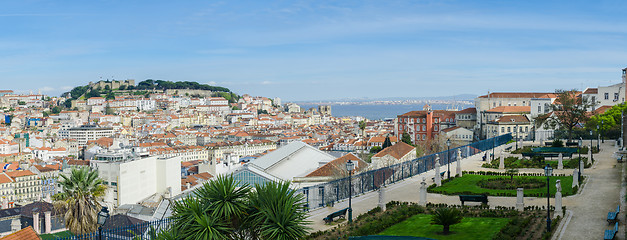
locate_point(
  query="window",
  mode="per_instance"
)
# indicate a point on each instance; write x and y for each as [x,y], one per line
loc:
[424,128]
[607,96]
[508,129]
[539,108]
[615,96]
[424,137]
[526,129]
[502,129]
[435,128]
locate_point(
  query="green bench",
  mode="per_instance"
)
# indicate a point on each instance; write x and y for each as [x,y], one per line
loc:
[340,213]
[610,234]
[473,198]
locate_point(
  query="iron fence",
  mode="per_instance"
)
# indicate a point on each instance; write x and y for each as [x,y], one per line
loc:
[132,232]
[326,194]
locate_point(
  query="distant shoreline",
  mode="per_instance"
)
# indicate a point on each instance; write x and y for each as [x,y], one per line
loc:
[405,102]
[382,111]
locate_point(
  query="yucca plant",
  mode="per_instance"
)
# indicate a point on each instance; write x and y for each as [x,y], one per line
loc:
[278,211]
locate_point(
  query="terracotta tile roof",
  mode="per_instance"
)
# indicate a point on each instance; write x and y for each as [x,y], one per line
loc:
[27,233]
[337,166]
[382,139]
[511,109]
[602,109]
[397,150]
[513,119]
[5,179]
[22,173]
[450,129]
[591,91]
[467,110]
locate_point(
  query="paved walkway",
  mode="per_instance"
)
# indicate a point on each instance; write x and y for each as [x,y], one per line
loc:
[600,195]
[590,207]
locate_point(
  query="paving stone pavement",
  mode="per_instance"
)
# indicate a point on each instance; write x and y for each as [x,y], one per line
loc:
[589,208]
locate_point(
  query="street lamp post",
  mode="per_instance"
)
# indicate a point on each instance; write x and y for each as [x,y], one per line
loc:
[547,172]
[580,144]
[350,166]
[590,140]
[493,143]
[516,129]
[602,139]
[102,218]
[598,136]
[448,158]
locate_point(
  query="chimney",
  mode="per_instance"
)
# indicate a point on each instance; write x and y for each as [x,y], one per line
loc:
[36,223]
[48,222]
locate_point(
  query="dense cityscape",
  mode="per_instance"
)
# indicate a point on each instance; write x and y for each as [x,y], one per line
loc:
[313,120]
[156,142]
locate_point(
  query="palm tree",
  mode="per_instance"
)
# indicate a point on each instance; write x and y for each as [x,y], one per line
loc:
[446,217]
[511,172]
[79,200]
[278,212]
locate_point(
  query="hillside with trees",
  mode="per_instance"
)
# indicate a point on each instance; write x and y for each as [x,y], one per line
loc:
[163,85]
[142,88]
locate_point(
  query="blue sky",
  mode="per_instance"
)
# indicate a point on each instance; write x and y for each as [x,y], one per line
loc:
[310,50]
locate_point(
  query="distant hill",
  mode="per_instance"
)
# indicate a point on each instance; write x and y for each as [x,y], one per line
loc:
[96,90]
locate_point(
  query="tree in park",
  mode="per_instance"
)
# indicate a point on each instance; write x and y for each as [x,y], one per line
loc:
[446,217]
[511,172]
[569,110]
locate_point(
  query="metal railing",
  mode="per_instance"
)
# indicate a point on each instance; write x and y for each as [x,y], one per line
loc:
[326,194]
[132,232]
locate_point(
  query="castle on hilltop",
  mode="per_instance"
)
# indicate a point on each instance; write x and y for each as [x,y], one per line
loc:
[115,84]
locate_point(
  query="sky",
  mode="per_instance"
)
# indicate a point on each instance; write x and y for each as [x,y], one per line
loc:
[316,50]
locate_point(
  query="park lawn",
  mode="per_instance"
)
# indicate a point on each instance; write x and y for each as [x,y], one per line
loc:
[470,228]
[467,184]
[56,235]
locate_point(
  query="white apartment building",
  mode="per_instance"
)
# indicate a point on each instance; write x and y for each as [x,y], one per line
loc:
[131,179]
[86,133]
[485,103]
